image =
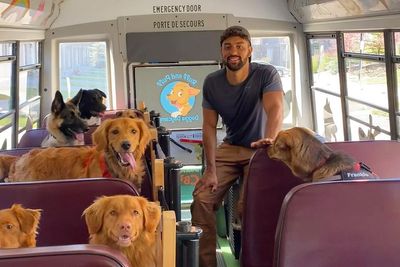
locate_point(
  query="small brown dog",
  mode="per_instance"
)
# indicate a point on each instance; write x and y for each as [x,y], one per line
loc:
[127,223]
[18,227]
[312,160]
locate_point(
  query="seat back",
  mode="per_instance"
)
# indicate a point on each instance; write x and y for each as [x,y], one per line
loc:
[33,138]
[63,256]
[340,224]
[62,202]
[270,180]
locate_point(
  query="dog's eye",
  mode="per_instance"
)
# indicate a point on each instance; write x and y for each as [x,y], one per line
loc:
[9,226]
[135,212]
[113,213]
[115,132]
[180,94]
[133,131]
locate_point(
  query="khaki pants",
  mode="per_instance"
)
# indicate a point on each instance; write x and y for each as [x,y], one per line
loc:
[231,163]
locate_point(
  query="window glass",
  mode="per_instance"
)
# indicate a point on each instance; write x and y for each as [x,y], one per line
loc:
[364,43]
[361,132]
[83,65]
[28,115]
[366,81]
[276,51]
[369,115]
[28,84]
[397,68]
[6,133]
[324,64]
[397,43]
[6,49]
[328,112]
[28,53]
[5,87]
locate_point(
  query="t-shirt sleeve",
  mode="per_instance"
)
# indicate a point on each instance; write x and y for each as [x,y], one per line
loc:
[272,80]
[206,94]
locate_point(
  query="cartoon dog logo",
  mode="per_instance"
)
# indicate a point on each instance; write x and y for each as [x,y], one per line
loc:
[180,96]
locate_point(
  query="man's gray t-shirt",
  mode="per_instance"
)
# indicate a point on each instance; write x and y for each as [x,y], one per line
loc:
[240,106]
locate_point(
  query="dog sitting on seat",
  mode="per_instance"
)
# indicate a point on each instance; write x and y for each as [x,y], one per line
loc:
[64,124]
[18,227]
[312,160]
[126,223]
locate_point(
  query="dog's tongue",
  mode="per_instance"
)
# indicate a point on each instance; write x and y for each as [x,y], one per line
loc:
[128,157]
[101,114]
[80,137]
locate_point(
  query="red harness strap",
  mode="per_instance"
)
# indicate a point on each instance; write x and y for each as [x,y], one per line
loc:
[102,163]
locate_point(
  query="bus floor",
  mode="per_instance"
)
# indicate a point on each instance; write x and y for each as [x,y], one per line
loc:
[225,257]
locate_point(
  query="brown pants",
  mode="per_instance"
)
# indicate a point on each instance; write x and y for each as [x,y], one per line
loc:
[231,163]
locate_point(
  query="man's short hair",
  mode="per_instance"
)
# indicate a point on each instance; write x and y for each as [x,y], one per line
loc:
[235,31]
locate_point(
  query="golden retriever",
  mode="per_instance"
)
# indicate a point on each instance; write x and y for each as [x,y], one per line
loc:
[119,146]
[179,97]
[18,227]
[312,160]
[127,223]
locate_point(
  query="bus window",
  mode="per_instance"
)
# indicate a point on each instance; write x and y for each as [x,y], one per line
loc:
[276,51]
[397,76]
[28,86]
[326,87]
[83,65]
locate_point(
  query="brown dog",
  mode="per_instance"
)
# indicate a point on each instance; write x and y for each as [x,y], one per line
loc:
[119,146]
[126,223]
[312,160]
[18,227]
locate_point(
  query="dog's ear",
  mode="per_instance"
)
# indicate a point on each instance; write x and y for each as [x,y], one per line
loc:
[28,218]
[100,92]
[193,91]
[94,215]
[58,103]
[152,214]
[77,99]
[100,135]
[145,137]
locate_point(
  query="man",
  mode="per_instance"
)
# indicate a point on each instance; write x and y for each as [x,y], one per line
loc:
[239,93]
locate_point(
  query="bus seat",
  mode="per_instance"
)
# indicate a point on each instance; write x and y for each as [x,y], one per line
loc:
[344,223]
[69,255]
[32,138]
[62,202]
[270,180]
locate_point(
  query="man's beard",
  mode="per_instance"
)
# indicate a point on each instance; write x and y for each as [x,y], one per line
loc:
[234,66]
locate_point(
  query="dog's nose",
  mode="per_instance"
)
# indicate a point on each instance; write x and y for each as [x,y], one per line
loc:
[125,226]
[126,145]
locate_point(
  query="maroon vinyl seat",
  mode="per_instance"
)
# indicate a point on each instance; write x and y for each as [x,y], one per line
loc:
[63,256]
[269,181]
[62,202]
[343,224]
[33,138]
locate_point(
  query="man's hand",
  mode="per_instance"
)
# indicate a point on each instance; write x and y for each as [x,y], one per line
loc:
[262,143]
[209,181]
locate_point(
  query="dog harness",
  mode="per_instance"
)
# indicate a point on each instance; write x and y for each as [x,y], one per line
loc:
[103,166]
[360,171]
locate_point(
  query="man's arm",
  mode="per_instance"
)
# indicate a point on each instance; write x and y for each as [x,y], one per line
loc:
[210,119]
[273,106]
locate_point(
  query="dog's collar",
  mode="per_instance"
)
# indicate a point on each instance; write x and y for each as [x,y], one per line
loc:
[103,166]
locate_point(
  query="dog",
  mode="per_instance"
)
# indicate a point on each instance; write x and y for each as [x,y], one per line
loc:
[90,105]
[64,124]
[371,133]
[18,227]
[127,223]
[329,123]
[179,97]
[312,160]
[119,145]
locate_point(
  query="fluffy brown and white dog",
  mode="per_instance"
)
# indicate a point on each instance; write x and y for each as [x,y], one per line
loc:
[18,227]
[311,160]
[119,146]
[126,223]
